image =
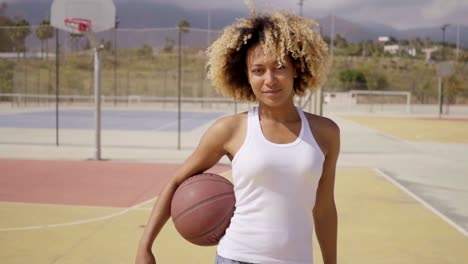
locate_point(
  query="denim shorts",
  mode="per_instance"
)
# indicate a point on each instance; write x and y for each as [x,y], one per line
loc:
[221,260]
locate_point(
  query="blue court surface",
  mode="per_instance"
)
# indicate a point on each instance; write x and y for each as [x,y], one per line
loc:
[135,120]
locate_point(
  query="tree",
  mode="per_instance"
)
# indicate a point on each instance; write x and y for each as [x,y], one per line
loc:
[75,39]
[353,79]
[6,43]
[340,41]
[45,32]
[404,42]
[327,40]
[423,91]
[184,26]
[7,68]
[3,9]
[392,40]
[145,51]
[18,35]
[455,85]
[169,47]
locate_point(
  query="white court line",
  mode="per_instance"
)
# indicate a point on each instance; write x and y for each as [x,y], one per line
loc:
[79,222]
[61,205]
[424,203]
[87,221]
[159,128]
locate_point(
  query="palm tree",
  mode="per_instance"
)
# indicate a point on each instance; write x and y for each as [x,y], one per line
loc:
[184,27]
[45,32]
[75,40]
[3,8]
[6,43]
[18,35]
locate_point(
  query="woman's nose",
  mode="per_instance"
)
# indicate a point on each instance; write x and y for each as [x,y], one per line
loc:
[270,78]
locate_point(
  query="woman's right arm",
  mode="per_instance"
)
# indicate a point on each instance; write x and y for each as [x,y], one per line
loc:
[209,151]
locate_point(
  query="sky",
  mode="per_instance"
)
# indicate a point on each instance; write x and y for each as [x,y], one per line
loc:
[400,14]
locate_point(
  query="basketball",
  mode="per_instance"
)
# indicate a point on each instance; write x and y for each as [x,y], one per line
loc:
[202,208]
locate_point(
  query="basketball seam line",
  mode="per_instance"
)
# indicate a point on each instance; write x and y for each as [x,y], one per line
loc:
[201,204]
[230,212]
[186,184]
[201,180]
[216,180]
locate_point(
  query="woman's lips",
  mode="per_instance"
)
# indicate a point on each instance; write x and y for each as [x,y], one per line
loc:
[271,92]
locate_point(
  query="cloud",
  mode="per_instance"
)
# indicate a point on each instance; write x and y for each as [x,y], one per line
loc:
[438,9]
[401,14]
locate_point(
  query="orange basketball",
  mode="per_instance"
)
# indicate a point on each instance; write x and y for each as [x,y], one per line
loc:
[202,208]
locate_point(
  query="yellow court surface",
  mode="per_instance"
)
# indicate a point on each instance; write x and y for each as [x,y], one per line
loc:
[444,130]
[378,223]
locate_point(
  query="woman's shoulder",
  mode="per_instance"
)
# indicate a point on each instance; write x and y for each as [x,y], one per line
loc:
[324,129]
[231,121]
[323,123]
[229,124]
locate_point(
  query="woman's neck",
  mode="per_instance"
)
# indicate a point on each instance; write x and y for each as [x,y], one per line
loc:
[282,114]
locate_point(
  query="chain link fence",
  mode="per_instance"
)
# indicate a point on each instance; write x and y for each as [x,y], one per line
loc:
[142,66]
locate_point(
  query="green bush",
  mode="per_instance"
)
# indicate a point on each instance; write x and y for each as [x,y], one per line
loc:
[7,69]
[353,79]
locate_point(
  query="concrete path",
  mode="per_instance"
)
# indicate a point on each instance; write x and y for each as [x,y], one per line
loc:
[436,174]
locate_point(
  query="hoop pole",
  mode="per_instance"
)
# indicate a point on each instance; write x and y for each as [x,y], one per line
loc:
[57,78]
[97,98]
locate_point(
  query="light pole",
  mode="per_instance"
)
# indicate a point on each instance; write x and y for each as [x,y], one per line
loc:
[441,82]
[458,42]
[179,89]
[117,22]
[301,2]
[444,27]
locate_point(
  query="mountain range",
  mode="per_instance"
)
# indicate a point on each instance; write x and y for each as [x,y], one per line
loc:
[139,15]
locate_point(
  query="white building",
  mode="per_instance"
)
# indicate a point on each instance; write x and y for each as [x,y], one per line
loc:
[397,49]
[383,39]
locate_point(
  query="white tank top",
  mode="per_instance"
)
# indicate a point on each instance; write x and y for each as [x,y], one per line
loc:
[275,187]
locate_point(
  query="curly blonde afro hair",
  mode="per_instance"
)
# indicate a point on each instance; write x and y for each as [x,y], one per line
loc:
[280,34]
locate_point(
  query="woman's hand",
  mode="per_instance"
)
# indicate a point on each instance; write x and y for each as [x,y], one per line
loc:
[145,257]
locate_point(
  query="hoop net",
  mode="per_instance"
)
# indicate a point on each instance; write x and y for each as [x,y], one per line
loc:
[78,24]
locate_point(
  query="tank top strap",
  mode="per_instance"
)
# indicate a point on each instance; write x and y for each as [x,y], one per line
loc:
[252,117]
[254,121]
[307,135]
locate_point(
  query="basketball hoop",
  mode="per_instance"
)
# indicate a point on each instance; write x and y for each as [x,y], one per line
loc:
[78,24]
[90,17]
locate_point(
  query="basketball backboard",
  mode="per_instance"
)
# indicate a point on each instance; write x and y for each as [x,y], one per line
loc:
[101,13]
[445,69]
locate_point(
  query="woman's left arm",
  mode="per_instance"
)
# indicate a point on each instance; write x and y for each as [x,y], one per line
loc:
[324,212]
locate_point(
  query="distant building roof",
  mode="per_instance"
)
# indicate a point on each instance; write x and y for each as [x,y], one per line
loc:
[383,39]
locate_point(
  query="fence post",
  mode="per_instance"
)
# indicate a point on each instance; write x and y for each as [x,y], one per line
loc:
[57,65]
[179,78]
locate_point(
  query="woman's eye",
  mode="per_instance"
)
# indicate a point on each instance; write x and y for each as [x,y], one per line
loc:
[280,67]
[256,70]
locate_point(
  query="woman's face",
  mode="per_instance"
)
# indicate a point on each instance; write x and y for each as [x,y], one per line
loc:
[271,82]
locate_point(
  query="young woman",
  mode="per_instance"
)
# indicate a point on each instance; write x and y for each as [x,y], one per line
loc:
[283,160]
